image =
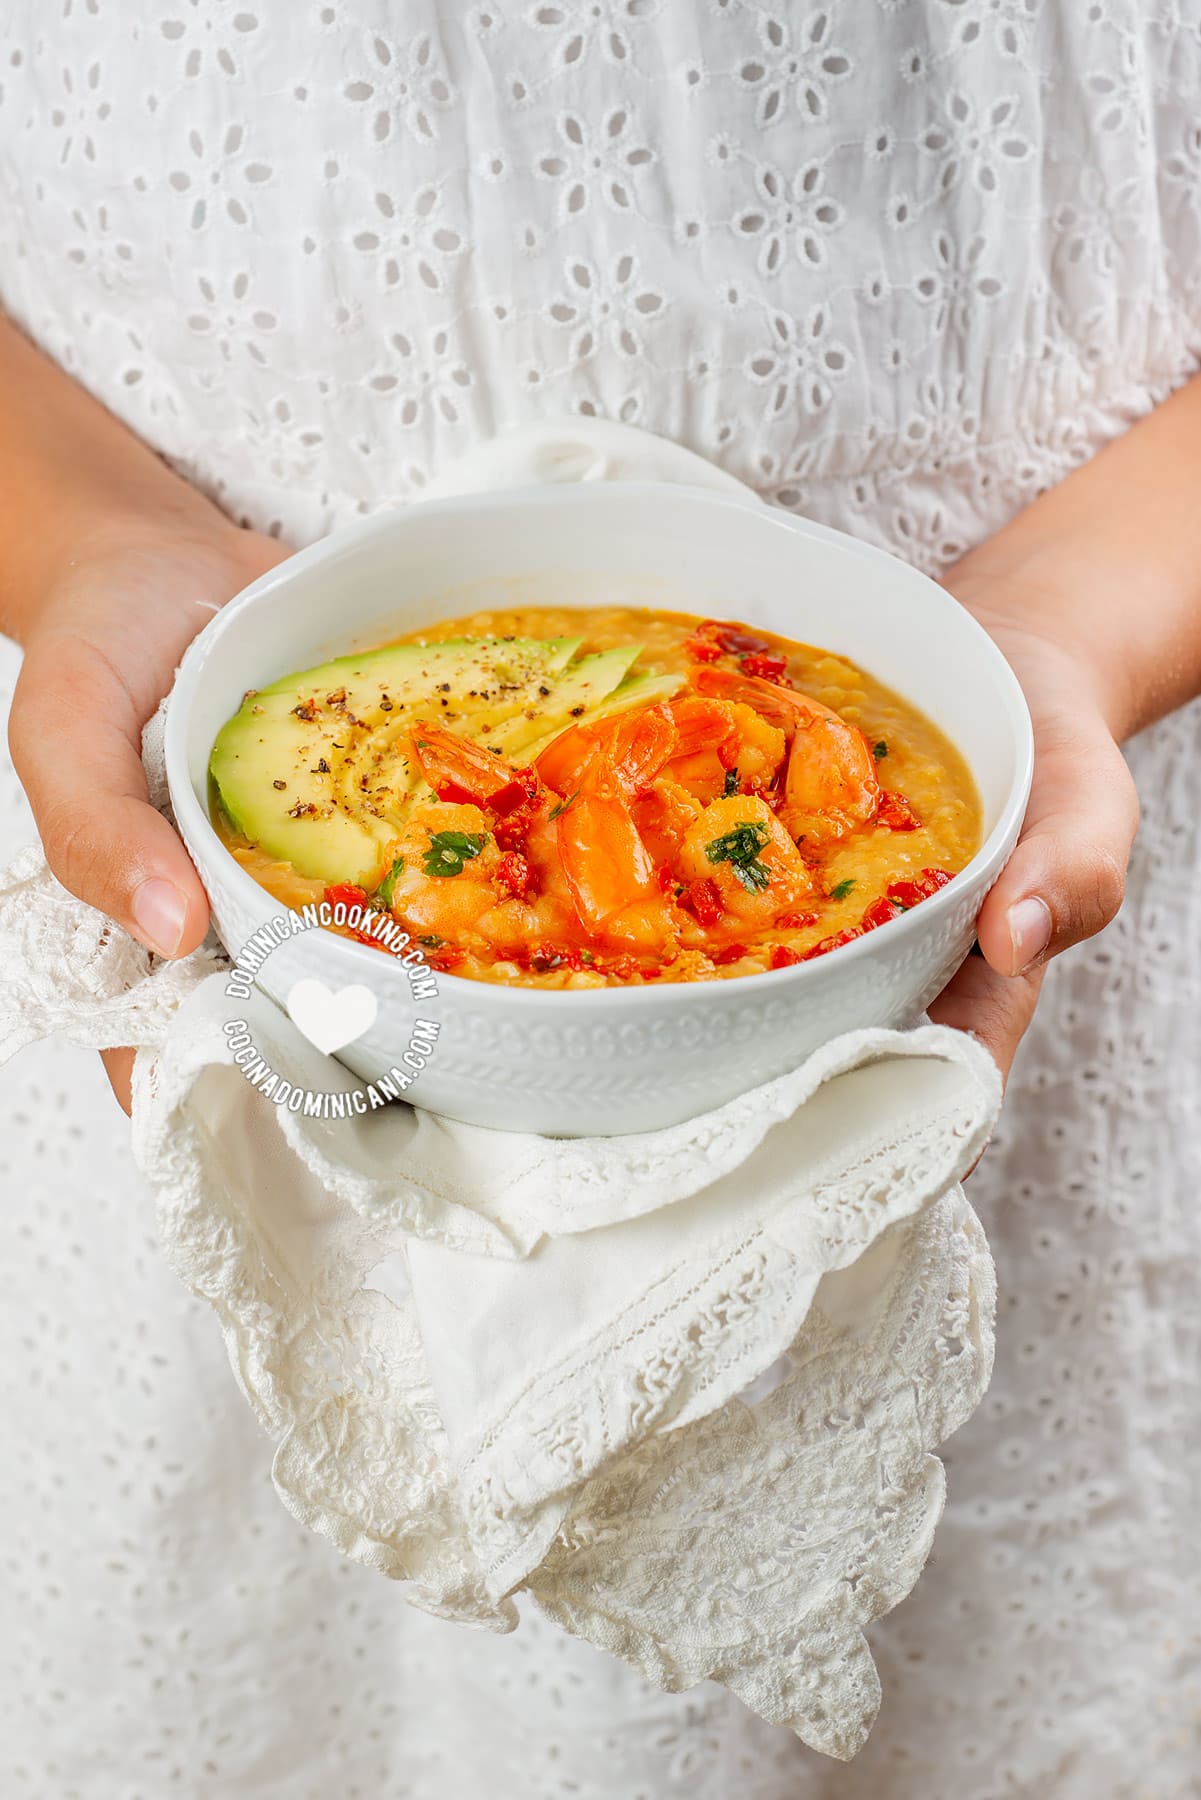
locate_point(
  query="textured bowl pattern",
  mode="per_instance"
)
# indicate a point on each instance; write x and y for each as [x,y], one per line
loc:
[612,1060]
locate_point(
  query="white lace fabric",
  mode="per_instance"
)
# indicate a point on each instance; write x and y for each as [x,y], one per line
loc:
[538,1425]
[897,266]
[774,1566]
[492,1363]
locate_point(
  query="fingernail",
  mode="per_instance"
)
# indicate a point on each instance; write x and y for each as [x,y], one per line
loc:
[1029,932]
[159,910]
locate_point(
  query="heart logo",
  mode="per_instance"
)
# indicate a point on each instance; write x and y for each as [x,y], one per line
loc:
[331,1017]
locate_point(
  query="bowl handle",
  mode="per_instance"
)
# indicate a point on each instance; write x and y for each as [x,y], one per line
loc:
[579,450]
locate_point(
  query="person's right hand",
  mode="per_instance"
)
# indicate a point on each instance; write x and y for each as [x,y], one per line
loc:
[99,657]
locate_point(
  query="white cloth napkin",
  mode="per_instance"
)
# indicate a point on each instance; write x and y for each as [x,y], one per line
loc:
[683,1388]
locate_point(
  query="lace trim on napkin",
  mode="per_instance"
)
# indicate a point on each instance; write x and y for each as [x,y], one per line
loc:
[694,1337]
[754,1546]
[750,1545]
[67,969]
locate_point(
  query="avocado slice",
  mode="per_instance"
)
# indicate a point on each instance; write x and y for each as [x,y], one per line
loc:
[635,690]
[639,690]
[314,769]
[449,659]
[266,767]
[581,688]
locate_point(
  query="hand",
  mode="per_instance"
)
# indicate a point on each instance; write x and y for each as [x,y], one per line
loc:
[1066,878]
[100,655]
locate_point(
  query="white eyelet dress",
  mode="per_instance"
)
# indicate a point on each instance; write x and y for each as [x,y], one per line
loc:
[898,264]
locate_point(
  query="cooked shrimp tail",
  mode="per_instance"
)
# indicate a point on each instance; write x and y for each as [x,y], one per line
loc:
[830,787]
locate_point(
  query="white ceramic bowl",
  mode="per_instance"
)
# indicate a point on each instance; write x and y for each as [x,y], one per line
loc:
[612,1060]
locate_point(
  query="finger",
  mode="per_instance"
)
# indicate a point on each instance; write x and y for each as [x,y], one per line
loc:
[103,839]
[118,1066]
[1066,879]
[994,1008]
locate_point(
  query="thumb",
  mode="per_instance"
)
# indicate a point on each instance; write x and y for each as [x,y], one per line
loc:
[1066,879]
[103,839]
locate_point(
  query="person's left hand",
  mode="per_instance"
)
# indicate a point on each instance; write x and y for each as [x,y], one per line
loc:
[1066,879]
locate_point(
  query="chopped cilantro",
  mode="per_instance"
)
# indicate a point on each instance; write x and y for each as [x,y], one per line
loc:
[880,749]
[842,890]
[383,892]
[449,850]
[562,805]
[740,848]
[731,786]
[432,941]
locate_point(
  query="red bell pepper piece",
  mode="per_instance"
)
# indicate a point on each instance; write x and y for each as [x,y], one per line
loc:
[703,900]
[895,812]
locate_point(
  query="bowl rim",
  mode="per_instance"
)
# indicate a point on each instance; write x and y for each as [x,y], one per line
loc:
[195,825]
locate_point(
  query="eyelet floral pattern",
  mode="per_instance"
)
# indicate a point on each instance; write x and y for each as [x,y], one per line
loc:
[913,263]
[818,254]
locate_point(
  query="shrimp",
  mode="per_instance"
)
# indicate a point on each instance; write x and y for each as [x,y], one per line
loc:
[450,902]
[458,883]
[830,787]
[459,770]
[716,739]
[664,813]
[741,849]
[636,744]
[510,895]
[778,705]
[610,872]
[584,871]
[623,832]
[562,762]
[639,783]
[711,738]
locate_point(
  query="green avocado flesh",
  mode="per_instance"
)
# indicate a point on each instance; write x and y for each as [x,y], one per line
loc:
[313,768]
